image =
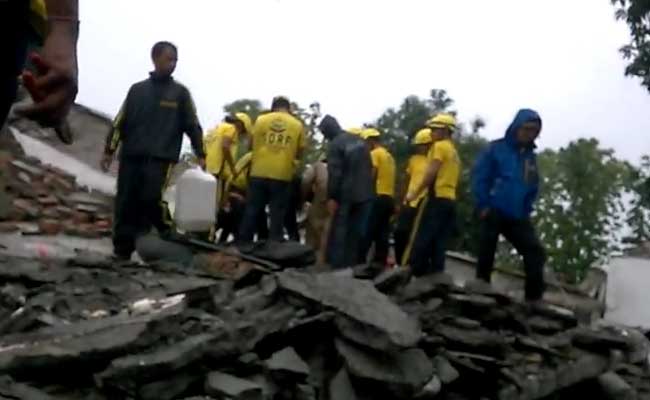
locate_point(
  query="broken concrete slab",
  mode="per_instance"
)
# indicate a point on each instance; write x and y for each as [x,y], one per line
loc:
[231,387]
[361,304]
[340,387]
[403,374]
[160,362]
[286,366]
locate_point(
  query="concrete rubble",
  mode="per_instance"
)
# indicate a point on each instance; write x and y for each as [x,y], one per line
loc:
[88,328]
[45,200]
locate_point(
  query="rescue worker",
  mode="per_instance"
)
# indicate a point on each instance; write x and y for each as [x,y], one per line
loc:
[221,146]
[53,83]
[314,188]
[355,131]
[415,171]
[231,215]
[350,191]
[149,127]
[383,205]
[437,215]
[278,140]
[505,182]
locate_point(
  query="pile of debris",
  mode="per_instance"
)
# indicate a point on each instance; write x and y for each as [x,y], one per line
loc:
[45,200]
[91,329]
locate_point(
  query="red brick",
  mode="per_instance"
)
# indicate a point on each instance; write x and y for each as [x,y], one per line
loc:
[79,217]
[88,231]
[6,227]
[50,226]
[103,224]
[29,207]
[64,212]
[48,200]
[51,212]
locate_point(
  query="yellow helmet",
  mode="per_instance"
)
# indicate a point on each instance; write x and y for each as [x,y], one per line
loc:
[355,131]
[443,121]
[246,120]
[423,136]
[370,133]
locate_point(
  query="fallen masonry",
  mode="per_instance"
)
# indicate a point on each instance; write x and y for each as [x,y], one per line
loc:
[43,199]
[88,328]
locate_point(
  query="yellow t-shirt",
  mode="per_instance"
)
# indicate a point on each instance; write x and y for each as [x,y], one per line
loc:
[241,182]
[416,169]
[384,163]
[214,159]
[277,138]
[449,172]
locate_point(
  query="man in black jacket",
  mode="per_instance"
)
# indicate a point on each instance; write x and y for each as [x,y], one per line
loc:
[150,127]
[350,191]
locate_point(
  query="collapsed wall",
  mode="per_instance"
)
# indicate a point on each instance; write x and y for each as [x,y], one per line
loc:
[225,328]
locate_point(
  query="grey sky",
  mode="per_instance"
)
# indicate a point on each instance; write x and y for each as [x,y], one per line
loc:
[359,57]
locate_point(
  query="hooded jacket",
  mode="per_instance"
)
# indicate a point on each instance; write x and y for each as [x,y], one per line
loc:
[349,167]
[153,118]
[505,176]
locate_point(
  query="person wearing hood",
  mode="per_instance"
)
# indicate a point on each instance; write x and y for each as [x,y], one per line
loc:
[436,217]
[149,128]
[350,192]
[505,182]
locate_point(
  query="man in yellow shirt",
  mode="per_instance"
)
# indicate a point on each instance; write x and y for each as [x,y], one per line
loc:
[230,217]
[278,140]
[221,145]
[437,215]
[415,171]
[378,231]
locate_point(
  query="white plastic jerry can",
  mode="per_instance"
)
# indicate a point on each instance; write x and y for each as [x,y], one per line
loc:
[196,201]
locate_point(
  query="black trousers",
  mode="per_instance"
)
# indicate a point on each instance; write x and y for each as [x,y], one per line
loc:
[14,34]
[263,191]
[436,225]
[346,230]
[523,237]
[378,229]
[402,232]
[139,205]
[230,222]
[291,219]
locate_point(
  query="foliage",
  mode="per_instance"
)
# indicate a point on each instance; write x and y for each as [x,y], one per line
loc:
[580,209]
[636,13]
[250,106]
[639,214]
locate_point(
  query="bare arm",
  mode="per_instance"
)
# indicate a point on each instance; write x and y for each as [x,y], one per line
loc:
[429,179]
[226,146]
[53,86]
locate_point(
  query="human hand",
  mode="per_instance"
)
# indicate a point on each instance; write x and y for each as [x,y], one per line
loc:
[106,162]
[53,86]
[332,206]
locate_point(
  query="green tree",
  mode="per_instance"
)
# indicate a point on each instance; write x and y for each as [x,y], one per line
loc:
[636,13]
[638,217]
[251,107]
[580,209]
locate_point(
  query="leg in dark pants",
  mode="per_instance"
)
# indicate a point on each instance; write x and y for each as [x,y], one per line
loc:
[385,208]
[346,231]
[403,232]
[291,220]
[436,225]
[280,193]
[127,207]
[378,230]
[523,237]
[156,175]
[256,200]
